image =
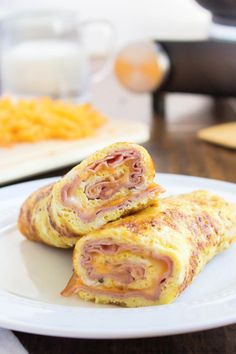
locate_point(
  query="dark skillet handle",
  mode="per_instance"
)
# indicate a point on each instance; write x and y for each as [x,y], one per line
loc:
[204,67]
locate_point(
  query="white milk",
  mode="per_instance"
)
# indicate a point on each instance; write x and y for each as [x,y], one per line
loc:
[45,67]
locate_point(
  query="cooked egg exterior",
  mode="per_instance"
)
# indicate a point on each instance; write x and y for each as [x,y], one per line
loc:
[188,229]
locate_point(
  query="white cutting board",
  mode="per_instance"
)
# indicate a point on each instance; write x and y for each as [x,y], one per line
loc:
[23,160]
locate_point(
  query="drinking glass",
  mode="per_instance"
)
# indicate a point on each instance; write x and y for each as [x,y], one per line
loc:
[53,53]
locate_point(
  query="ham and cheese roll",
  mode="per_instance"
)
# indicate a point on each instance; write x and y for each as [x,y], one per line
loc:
[111,183]
[149,258]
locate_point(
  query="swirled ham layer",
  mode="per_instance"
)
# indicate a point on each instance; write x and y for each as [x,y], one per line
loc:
[124,272]
[107,187]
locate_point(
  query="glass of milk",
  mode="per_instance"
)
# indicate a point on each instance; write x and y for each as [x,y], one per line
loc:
[52,53]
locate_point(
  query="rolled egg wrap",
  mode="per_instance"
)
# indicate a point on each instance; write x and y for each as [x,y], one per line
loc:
[111,183]
[149,258]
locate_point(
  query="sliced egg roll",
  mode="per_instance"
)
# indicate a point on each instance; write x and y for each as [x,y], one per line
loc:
[149,258]
[111,183]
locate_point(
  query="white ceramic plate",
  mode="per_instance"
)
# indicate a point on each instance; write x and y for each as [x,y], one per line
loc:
[33,275]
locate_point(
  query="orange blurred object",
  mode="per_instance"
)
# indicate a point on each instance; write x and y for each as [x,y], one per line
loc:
[140,67]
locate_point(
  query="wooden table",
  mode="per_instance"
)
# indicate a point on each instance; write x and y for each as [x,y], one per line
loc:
[175,149]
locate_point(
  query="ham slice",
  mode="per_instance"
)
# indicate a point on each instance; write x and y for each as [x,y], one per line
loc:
[102,189]
[89,216]
[115,159]
[107,188]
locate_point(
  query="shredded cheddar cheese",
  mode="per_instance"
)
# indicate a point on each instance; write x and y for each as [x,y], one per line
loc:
[44,118]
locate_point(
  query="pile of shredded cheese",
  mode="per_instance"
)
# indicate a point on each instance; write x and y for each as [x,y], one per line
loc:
[44,118]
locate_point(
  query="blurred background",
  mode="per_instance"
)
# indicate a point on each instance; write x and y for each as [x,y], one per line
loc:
[132,21]
[146,61]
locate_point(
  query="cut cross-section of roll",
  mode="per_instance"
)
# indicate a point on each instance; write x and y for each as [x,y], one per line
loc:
[111,183]
[149,258]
